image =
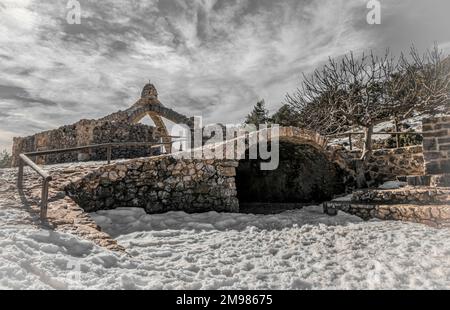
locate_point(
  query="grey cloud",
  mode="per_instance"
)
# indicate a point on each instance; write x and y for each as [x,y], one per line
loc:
[214,60]
[22,96]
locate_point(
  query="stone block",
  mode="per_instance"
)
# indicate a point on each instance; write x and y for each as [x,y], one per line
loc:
[419,180]
[444,147]
[442,180]
[435,134]
[429,144]
[444,140]
[432,168]
[428,127]
[430,156]
[445,166]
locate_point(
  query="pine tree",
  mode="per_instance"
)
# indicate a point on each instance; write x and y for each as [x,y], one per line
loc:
[259,115]
[285,116]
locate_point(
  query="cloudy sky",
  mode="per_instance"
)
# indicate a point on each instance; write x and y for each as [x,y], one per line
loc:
[213,58]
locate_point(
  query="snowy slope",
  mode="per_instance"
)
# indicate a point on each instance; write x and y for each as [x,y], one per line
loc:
[300,249]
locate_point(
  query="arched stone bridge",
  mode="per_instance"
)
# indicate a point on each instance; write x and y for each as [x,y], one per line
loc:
[171,183]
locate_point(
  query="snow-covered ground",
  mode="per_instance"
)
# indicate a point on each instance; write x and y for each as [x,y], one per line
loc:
[301,249]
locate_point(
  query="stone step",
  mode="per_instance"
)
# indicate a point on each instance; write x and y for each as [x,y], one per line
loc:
[439,180]
[416,195]
[433,215]
[418,180]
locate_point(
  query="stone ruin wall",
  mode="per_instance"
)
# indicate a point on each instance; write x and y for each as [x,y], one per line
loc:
[436,145]
[387,164]
[87,132]
[159,184]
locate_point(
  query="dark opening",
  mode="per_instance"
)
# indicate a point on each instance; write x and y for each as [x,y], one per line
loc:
[304,176]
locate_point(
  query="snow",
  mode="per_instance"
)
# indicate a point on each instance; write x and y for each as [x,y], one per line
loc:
[301,249]
[393,185]
[348,197]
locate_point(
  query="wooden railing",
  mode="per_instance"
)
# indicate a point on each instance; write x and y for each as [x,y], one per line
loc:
[24,159]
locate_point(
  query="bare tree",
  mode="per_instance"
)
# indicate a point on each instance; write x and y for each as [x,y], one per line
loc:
[421,85]
[366,91]
[345,93]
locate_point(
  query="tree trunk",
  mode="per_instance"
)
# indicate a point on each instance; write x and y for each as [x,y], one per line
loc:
[367,150]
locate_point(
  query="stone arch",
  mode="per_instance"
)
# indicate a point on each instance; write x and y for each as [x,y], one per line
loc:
[300,136]
[149,105]
[306,173]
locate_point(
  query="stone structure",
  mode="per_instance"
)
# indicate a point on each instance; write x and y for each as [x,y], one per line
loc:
[168,183]
[305,174]
[159,184]
[427,198]
[309,169]
[436,144]
[425,205]
[87,132]
[121,126]
[385,164]
[432,215]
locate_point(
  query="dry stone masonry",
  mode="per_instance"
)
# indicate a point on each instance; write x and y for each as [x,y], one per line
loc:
[87,132]
[386,164]
[121,126]
[436,148]
[432,215]
[159,184]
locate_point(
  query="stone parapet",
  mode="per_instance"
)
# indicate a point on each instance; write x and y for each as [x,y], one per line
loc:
[159,184]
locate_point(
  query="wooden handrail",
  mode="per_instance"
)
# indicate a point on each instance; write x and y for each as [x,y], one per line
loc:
[25,160]
[35,167]
[95,146]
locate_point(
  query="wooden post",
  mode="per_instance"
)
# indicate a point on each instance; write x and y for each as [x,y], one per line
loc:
[44,199]
[397,136]
[109,153]
[20,175]
[350,141]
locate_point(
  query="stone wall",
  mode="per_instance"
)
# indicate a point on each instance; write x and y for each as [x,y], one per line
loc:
[425,205]
[387,164]
[87,132]
[432,215]
[436,145]
[416,195]
[159,184]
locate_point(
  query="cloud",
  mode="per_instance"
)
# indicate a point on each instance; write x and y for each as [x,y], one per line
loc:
[213,58]
[22,96]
